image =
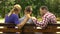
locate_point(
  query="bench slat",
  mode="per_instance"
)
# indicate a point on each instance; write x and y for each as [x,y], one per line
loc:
[28,30]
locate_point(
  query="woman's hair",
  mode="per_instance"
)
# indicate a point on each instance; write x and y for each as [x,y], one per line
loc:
[16,7]
[28,8]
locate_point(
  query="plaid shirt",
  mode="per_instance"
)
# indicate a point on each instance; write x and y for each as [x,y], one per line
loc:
[46,19]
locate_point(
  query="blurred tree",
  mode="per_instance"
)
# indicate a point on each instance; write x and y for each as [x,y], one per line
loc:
[5,6]
[53,5]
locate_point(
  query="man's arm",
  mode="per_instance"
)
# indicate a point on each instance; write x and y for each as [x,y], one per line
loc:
[43,23]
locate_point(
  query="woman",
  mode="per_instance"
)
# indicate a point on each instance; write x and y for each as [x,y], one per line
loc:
[12,17]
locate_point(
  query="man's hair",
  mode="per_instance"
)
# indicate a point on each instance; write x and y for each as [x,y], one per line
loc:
[44,7]
[28,8]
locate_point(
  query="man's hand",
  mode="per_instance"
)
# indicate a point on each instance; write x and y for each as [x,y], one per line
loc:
[33,18]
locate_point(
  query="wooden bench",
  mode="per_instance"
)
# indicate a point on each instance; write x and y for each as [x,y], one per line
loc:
[30,28]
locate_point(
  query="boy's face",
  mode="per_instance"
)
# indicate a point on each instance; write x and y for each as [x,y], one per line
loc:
[28,12]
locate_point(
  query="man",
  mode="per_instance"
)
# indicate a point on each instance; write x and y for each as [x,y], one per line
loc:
[47,18]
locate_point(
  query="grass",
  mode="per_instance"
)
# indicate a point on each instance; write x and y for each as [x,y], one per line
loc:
[1,18]
[58,19]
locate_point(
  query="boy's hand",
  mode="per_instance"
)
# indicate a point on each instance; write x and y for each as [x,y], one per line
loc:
[28,16]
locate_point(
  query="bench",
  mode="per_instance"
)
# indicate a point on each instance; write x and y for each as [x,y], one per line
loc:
[30,28]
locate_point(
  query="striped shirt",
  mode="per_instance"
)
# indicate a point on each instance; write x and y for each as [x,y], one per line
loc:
[48,18]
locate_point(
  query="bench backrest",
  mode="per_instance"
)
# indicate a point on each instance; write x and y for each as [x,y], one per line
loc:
[30,28]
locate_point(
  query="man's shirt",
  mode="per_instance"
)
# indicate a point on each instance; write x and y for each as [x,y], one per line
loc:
[48,18]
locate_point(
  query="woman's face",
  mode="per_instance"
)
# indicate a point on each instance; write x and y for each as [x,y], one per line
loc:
[18,11]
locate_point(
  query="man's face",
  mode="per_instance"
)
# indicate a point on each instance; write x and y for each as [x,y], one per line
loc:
[31,10]
[42,11]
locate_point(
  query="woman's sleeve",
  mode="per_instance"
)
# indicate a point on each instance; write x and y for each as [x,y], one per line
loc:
[6,19]
[16,19]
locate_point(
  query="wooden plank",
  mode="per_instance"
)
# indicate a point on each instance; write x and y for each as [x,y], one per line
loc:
[28,30]
[10,30]
[4,24]
[42,30]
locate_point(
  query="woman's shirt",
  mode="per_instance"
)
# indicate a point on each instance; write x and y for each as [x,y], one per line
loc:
[14,19]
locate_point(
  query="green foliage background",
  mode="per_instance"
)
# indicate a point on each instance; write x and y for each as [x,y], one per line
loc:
[53,5]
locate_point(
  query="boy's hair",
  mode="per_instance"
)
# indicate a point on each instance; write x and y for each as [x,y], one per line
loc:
[28,8]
